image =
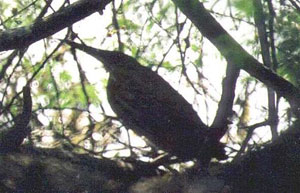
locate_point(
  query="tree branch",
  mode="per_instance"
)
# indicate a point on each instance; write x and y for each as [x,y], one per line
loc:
[235,54]
[259,19]
[11,139]
[224,111]
[21,37]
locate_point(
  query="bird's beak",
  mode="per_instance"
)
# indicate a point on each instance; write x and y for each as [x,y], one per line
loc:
[102,55]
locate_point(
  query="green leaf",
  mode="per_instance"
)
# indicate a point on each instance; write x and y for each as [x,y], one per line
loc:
[149,26]
[128,24]
[195,47]
[92,93]
[65,76]
[244,6]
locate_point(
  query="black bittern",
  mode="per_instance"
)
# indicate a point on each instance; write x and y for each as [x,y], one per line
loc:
[147,104]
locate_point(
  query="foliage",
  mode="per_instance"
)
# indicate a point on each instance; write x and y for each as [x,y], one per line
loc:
[245,8]
[68,88]
[288,45]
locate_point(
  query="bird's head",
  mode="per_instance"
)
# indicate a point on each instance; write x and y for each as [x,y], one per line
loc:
[112,60]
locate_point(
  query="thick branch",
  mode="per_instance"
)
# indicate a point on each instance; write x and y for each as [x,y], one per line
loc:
[234,53]
[225,105]
[53,170]
[24,36]
[11,139]
[274,168]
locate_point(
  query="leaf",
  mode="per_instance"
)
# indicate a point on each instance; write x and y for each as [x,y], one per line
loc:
[65,76]
[167,65]
[93,94]
[128,24]
[244,6]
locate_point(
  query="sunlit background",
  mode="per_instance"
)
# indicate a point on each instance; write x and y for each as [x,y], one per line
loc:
[65,117]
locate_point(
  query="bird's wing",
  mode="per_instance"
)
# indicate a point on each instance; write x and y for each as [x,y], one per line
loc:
[149,101]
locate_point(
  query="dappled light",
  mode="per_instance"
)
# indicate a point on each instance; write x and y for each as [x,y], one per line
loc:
[151,96]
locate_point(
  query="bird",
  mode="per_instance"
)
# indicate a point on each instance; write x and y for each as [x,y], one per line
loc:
[147,104]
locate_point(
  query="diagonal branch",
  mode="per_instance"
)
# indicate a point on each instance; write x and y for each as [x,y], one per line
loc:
[235,54]
[24,36]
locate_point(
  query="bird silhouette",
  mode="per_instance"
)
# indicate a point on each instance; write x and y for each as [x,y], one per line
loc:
[147,104]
